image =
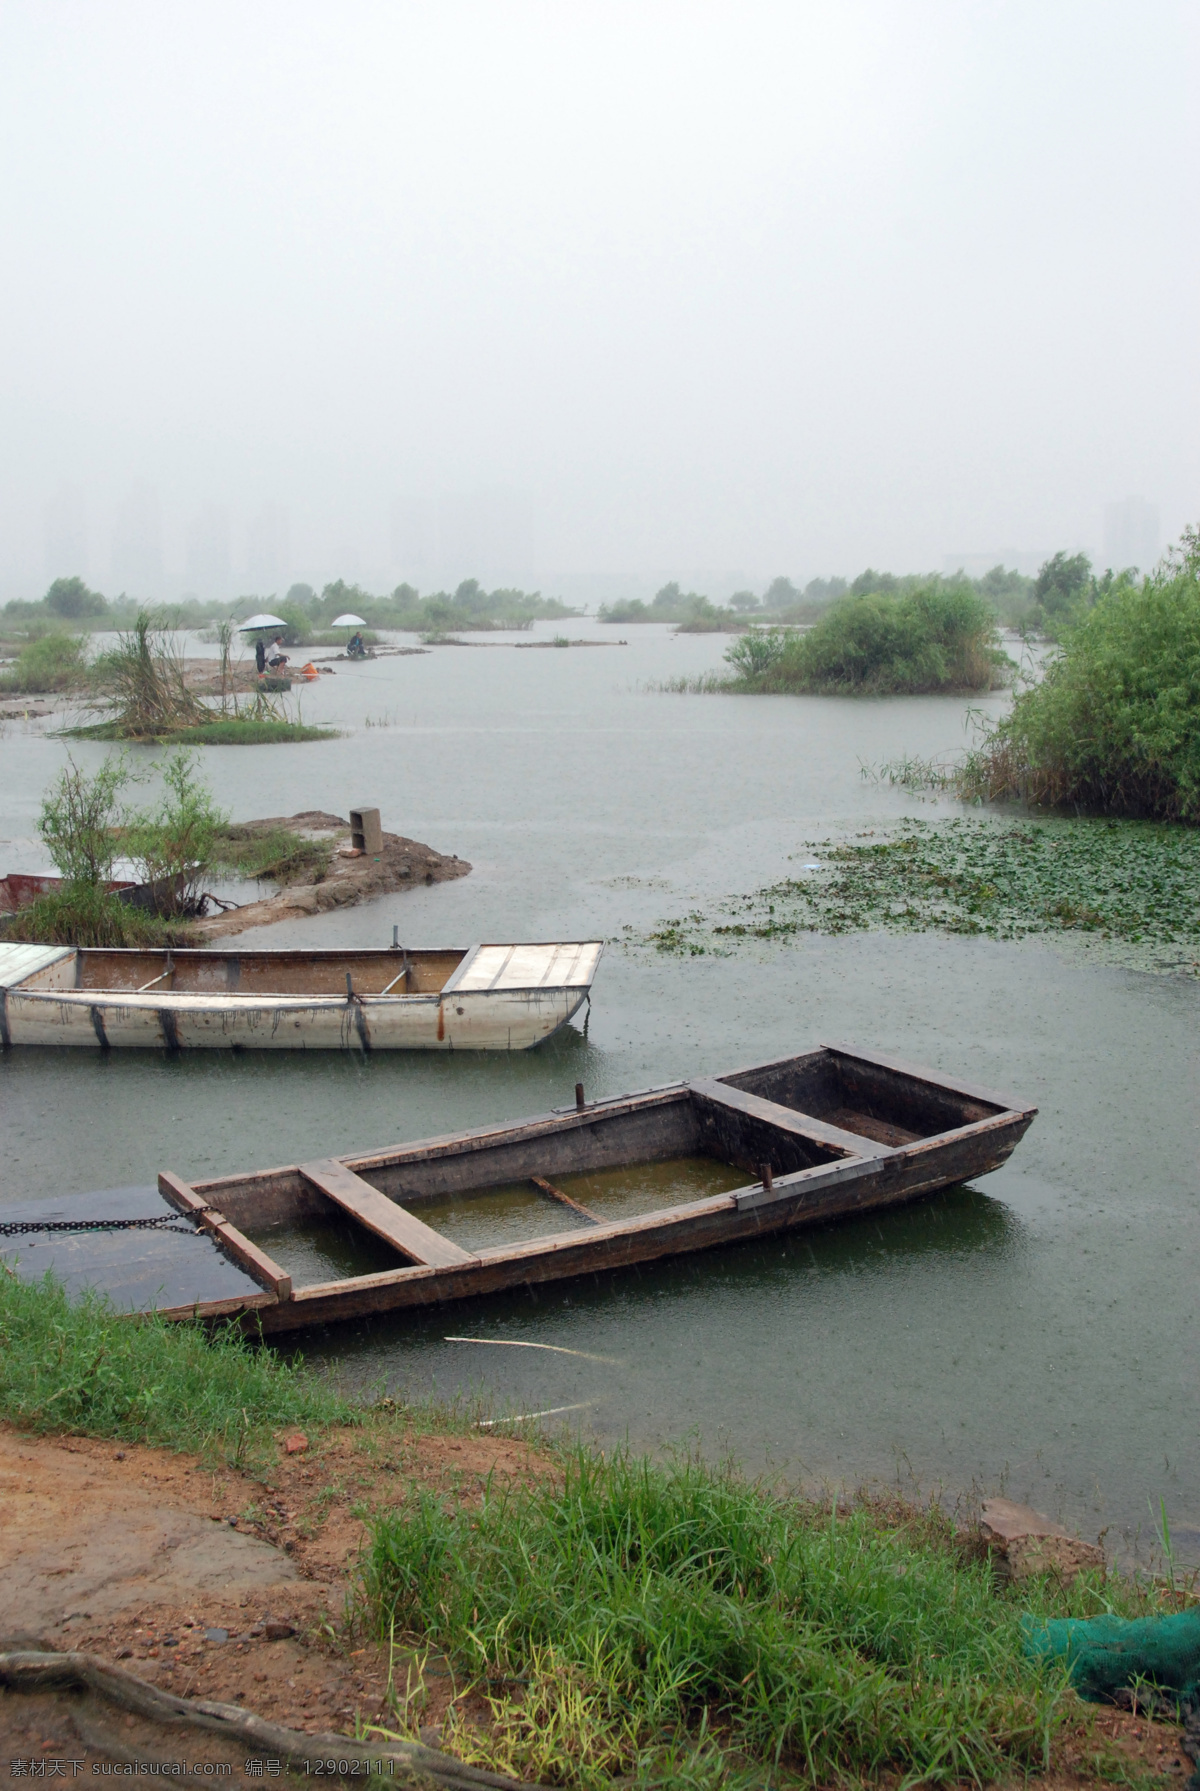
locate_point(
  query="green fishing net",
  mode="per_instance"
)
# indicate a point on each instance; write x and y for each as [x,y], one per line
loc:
[1106,1654]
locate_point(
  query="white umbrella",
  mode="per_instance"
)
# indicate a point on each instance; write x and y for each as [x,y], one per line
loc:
[261,622]
[348,621]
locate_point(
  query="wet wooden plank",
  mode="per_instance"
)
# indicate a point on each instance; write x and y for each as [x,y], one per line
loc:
[786,1119]
[382,1216]
[557,1194]
[255,1261]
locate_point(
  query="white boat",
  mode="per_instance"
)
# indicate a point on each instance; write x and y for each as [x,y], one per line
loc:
[484,998]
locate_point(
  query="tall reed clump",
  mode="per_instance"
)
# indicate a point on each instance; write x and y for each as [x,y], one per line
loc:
[1113,727]
[642,1606]
[937,637]
[144,677]
[76,1365]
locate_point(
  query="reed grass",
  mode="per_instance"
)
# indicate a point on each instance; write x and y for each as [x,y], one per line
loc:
[144,678]
[279,856]
[636,1606]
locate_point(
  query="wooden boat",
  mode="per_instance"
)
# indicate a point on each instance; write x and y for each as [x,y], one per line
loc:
[484,998]
[20,888]
[575,1191]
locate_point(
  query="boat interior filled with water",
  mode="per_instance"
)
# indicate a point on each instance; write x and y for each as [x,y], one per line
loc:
[585,1188]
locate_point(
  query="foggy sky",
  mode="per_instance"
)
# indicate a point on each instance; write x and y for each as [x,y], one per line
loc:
[775,288]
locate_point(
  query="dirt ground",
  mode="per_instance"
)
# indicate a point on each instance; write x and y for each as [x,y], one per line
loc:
[240,1587]
[403,864]
[231,1586]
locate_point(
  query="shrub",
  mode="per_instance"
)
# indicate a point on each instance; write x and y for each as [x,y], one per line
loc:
[174,845]
[1114,725]
[81,820]
[54,662]
[936,637]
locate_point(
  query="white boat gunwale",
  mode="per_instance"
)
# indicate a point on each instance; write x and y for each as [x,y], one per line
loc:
[39,997]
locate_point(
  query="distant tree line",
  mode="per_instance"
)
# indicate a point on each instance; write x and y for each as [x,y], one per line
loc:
[1064,586]
[70,603]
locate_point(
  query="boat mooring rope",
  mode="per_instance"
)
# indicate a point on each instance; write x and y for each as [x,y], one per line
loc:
[14,1228]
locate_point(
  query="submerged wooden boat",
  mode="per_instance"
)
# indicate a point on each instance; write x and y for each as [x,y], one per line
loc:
[484,998]
[593,1187]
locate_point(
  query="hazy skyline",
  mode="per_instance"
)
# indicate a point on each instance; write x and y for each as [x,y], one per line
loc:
[780,288]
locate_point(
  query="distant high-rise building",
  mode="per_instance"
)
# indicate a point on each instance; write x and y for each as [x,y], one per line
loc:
[486,534]
[137,564]
[268,550]
[414,540]
[206,564]
[1131,534]
[66,534]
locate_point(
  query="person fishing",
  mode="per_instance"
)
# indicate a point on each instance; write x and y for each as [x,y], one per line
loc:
[356,647]
[277,657]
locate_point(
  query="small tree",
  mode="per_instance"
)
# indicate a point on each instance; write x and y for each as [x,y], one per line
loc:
[71,597]
[173,845]
[1063,586]
[82,818]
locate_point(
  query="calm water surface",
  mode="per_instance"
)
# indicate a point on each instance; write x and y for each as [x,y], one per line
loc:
[1037,1332]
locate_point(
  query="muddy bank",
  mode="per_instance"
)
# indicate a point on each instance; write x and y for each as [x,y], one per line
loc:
[402,864]
[239,1587]
[211,1583]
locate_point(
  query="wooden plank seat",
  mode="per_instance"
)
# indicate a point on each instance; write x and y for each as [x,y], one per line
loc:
[394,1224]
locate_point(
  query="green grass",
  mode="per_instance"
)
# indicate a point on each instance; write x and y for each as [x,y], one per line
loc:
[86,914]
[280,856]
[641,1613]
[76,1366]
[227,731]
[671,1625]
[1133,882]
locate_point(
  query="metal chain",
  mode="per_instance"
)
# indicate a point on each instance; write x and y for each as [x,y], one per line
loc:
[13,1228]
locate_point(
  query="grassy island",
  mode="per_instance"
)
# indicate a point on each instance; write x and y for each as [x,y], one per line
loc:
[936,637]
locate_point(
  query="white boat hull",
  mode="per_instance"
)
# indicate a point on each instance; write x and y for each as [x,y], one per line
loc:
[498,1018]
